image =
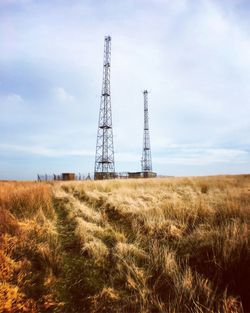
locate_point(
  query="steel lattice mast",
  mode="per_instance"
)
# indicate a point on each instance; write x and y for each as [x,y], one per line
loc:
[146,151]
[104,159]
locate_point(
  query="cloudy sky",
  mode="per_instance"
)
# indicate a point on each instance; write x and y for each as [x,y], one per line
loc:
[192,55]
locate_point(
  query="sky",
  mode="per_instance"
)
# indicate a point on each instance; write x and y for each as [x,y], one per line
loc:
[193,56]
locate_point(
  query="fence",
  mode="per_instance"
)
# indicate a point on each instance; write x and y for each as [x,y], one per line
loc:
[56,177]
[90,176]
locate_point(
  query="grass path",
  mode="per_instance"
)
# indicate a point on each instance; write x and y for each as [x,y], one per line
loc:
[118,221]
[94,272]
[80,278]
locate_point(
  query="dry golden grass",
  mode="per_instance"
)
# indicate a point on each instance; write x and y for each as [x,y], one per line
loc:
[184,241]
[155,245]
[28,240]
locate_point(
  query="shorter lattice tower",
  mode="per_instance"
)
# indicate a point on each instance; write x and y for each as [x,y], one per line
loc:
[104,158]
[146,161]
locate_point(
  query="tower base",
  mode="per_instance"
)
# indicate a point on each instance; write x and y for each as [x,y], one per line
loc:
[104,175]
[141,174]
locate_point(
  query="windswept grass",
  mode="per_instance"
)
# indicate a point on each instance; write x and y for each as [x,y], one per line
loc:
[28,247]
[155,245]
[185,243]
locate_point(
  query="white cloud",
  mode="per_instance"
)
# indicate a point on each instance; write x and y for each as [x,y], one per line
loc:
[62,95]
[12,107]
[43,151]
[204,156]
[10,99]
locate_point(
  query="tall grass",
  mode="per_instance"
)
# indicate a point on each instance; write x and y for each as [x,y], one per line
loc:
[185,245]
[28,249]
[154,245]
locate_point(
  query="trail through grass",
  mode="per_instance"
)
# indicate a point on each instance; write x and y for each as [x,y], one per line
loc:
[84,273]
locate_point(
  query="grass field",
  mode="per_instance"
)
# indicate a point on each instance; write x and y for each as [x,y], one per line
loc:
[154,245]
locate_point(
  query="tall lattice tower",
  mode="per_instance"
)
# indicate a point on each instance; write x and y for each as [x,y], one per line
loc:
[104,158]
[146,161]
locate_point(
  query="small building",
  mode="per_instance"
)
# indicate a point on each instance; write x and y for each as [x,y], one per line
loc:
[135,175]
[104,175]
[141,174]
[149,174]
[68,176]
